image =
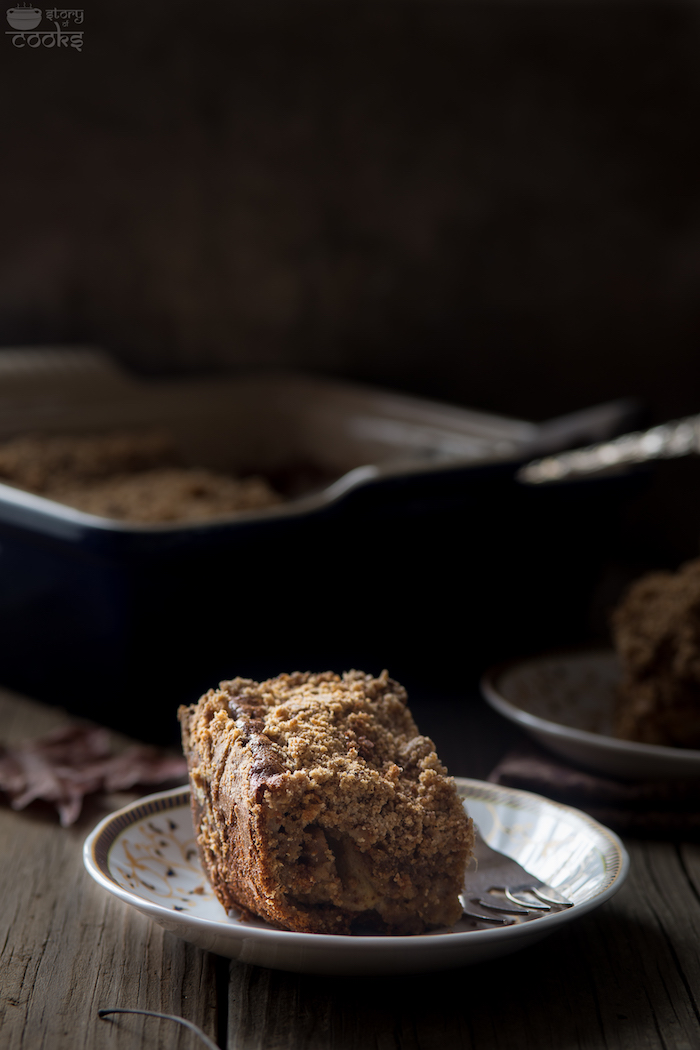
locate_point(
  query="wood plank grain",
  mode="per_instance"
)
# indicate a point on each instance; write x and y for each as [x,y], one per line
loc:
[68,948]
[621,978]
[625,977]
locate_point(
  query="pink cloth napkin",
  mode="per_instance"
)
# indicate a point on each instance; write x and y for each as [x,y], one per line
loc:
[74,761]
[663,808]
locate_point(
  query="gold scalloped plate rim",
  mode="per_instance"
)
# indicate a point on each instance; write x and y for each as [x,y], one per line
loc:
[332,953]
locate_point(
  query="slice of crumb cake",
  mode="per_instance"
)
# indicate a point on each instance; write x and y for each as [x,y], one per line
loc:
[656,630]
[320,808]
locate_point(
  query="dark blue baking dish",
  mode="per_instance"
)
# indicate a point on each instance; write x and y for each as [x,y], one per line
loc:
[433,568]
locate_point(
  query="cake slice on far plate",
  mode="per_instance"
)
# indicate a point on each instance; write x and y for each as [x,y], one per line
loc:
[656,629]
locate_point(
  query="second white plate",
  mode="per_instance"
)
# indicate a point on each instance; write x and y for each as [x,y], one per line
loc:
[146,855]
[565,702]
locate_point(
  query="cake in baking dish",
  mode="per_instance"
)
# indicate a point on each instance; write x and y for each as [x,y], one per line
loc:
[319,807]
[656,630]
[137,476]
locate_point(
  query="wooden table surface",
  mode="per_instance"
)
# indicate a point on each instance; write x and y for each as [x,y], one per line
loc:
[625,976]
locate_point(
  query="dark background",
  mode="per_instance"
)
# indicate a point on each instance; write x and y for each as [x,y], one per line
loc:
[492,203]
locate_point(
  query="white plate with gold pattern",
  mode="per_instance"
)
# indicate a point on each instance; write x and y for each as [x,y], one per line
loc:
[565,701]
[146,855]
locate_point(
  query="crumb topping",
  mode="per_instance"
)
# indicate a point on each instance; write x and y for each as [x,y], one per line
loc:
[129,476]
[656,629]
[356,811]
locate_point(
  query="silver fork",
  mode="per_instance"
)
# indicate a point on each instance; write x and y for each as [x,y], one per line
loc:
[523,897]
